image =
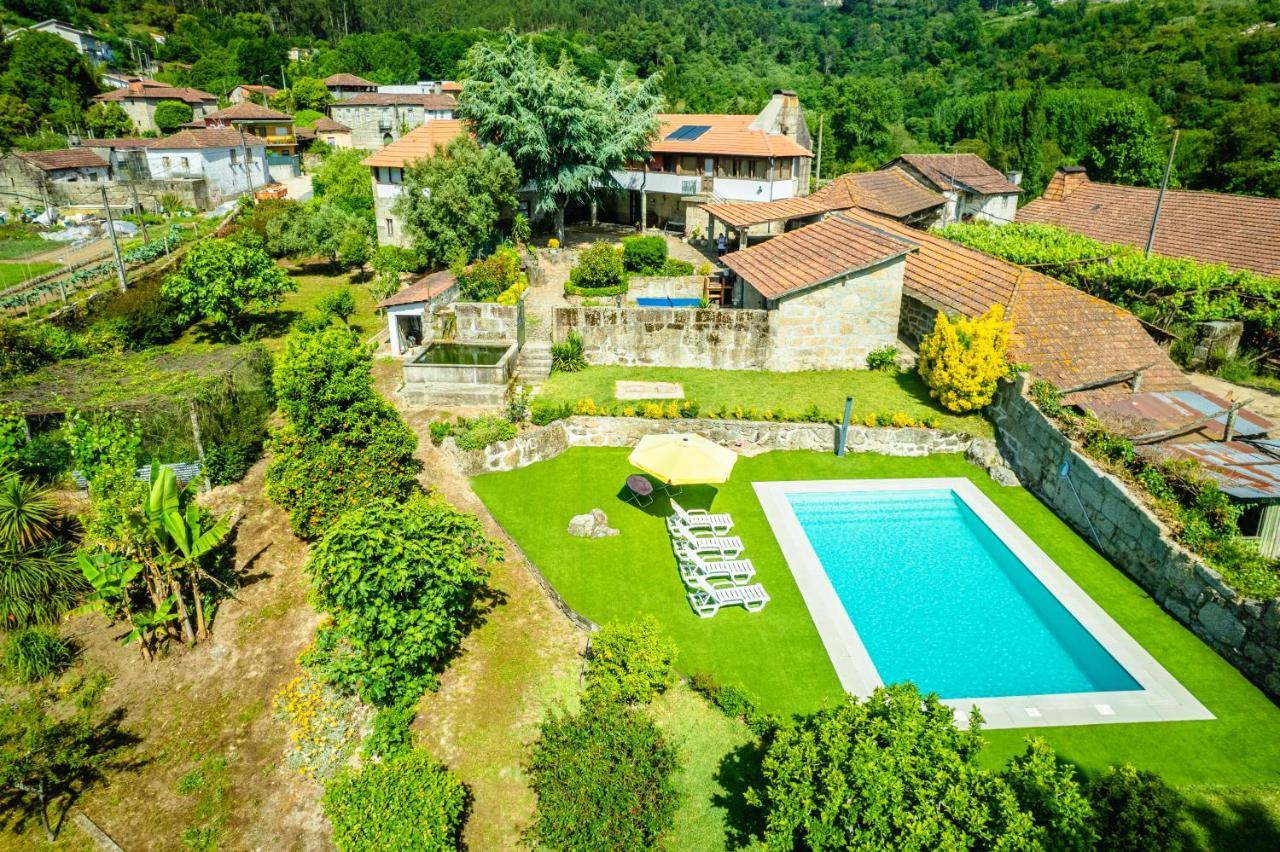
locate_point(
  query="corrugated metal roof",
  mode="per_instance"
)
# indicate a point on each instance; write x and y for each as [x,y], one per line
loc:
[1245,470]
[1170,409]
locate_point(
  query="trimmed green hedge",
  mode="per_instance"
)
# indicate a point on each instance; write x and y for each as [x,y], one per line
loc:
[405,803]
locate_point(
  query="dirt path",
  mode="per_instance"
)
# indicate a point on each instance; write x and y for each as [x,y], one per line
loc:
[521,662]
[1265,403]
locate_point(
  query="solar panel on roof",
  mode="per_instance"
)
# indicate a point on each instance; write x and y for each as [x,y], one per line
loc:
[688,132]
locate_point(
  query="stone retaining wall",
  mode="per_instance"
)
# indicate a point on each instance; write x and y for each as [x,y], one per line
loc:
[669,337]
[485,321]
[547,442]
[1103,510]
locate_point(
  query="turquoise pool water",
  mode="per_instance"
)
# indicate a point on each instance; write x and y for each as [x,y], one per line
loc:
[938,599]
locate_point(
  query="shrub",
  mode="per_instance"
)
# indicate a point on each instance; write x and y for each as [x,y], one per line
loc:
[440,429]
[674,267]
[542,413]
[390,735]
[407,803]
[868,773]
[35,653]
[568,356]
[884,359]
[961,360]
[1135,810]
[485,279]
[322,378]
[1048,791]
[631,662]
[603,781]
[170,114]
[399,577]
[644,255]
[228,463]
[480,432]
[317,479]
[599,266]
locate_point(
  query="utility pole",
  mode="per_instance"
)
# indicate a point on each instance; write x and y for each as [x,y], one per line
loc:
[818,179]
[284,84]
[142,214]
[248,167]
[115,241]
[1164,184]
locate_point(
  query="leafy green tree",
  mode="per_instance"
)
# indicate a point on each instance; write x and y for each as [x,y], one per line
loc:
[310,93]
[408,802]
[631,663]
[599,267]
[486,279]
[1245,156]
[339,304]
[1135,810]
[603,777]
[1048,791]
[46,72]
[390,262]
[562,132]
[869,773]
[862,112]
[106,120]
[450,203]
[170,115]
[342,180]
[48,753]
[321,229]
[16,119]
[222,281]
[1124,148]
[400,579]
[322,379]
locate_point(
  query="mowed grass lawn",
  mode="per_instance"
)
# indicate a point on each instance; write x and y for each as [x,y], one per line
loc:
[13,273]
[873,392]
[777,655]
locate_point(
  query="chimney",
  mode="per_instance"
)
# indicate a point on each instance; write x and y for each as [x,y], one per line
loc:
[135,86]
[1066,180]
[1014,177]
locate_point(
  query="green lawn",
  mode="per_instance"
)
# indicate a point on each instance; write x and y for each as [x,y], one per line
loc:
[872,392]
[778,656]
[13,273]
[10,249]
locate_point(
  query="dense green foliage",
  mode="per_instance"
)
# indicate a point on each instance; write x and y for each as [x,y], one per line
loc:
[341,445]
[406,804]
[1135,810]
[603,777]
[568,355]
[1163,290]
[38,582]
[644,255]
[322,229]
[1201,515]
[399,579]
[34,653]
[222,281]
[487,279]
[599,269]
[342,180]
[170,114]
[450,203]
[630,663]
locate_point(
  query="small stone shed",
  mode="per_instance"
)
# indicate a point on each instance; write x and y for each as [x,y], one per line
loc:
[409,311]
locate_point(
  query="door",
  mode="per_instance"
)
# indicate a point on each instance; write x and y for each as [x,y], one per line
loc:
[708,174]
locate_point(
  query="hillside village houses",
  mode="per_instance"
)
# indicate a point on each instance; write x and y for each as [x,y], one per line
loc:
[141,97]
[273,127]
[229,163]
[343,86]
[335,134]
[973,188]
[378,118]
[387,167]
[249,92]
[98,51]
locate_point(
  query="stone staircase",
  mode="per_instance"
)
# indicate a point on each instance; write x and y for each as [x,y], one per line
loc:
[535,362]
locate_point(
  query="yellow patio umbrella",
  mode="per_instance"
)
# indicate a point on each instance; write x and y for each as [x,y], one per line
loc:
[683,459]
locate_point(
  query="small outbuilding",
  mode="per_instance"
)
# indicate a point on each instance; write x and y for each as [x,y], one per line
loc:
[409,311]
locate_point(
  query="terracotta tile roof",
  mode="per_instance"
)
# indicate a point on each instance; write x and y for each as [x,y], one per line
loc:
[1239,230]
[424,289]
[725,134]
[969,170]
[208,138]
[348,80]
[157,93]
[418,144]
[247,111]
[890,191]
[744,213]
[255,87]
[328,125]
[444,101]
[813,254]
[450,87]
[122,142]
[69,158]
[1063,335]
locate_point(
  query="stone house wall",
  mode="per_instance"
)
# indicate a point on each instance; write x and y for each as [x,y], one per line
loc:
[915,319]
[485,321]
[1102,509]
[669,337]
[541,444]
[835,326]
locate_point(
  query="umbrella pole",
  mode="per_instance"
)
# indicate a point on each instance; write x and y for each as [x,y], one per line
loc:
[843,435]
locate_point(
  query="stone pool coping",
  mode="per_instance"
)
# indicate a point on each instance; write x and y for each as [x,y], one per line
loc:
[1161,699]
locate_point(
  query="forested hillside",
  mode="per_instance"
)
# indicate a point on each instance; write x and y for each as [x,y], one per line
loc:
[1026,85]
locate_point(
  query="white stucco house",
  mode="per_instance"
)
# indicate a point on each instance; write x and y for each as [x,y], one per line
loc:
[973,188]
[98,51]
[387,165]
[231,162]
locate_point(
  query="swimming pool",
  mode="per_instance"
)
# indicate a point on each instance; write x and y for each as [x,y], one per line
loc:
[668,302]
[928,581]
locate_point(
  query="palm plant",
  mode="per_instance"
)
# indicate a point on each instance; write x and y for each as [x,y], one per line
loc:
[28,512]
[38,582]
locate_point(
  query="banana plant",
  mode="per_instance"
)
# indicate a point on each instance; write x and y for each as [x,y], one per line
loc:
[147,622]
[109,575]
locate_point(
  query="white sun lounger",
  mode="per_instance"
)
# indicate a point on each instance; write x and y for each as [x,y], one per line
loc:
[707,599]
[693,566]
[700,519]
[727,547]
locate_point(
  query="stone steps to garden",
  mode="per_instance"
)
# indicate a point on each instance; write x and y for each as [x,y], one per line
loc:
[535,361]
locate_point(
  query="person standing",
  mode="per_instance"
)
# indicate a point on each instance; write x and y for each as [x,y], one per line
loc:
[722,245]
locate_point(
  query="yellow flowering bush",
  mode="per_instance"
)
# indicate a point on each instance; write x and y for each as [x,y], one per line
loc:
[553,243]
[585,406]
[962,359]
[323,725]
[652,410]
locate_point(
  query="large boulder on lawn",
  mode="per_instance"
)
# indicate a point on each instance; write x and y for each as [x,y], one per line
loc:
[594,524]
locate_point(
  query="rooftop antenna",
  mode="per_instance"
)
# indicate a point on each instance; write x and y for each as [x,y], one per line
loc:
[1164,184]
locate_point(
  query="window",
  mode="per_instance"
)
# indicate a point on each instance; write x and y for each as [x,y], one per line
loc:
[329,140]
[235,157]
[396,174]
[391,226]
[760,170]
[668,164]
[164,161]
[186,164]
[784,168]
[688,165]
